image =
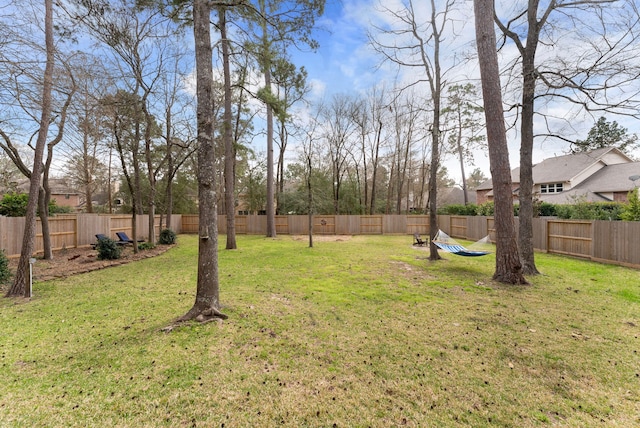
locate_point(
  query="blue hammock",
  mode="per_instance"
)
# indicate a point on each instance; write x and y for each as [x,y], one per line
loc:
[459,250]
[445,243]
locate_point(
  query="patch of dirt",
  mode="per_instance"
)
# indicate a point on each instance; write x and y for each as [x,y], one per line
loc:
[72,261]
[322,238]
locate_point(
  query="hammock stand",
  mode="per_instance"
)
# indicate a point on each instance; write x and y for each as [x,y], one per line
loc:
[445,243]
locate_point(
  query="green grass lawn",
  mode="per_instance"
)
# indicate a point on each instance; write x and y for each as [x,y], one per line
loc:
[358,332]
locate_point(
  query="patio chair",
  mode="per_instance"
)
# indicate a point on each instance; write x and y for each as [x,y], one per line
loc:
[419,241]
[124,238]
[100,236]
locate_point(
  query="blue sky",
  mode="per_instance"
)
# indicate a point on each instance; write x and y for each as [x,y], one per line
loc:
[345,63]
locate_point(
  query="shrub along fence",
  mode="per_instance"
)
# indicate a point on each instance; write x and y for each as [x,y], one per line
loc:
[75,230]
[604,241]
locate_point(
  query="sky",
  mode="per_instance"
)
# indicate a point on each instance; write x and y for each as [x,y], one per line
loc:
[345,63]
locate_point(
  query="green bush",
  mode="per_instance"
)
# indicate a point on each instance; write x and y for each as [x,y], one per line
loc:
[15,205]
[631,210]
[459,209]
[485,209]
[145,246]
[5,273]
[167,237]
[545,209]
[590,211]
[58,209]
[108,249]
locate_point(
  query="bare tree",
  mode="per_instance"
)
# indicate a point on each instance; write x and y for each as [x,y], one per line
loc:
[139,41]
[9,174]
[20,286]
[338,130]
[309,151]
[178,134]
[85,148]
[463,113]
[508,267]
[421,49]
[596,71]
[406,117]
[23,100]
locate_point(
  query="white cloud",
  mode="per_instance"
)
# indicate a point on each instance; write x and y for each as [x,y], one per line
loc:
[318,88]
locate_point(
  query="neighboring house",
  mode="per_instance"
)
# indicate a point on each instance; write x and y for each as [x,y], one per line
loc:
[597,176]
[454,196]
[63,194]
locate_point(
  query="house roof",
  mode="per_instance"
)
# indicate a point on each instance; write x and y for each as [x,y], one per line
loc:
[488,185]
[564,168]
[613,178]
[455,195]
[572,196]
[58,186]
[560,169]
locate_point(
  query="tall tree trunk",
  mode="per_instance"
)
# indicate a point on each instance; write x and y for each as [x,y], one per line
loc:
[43,201]
[461,158]
[310,202]
[266,65]
[109,186]
[207,304]
[374,174]
[280,172]
[44,196]
[20,286]
[366,176]
[433,186]
[170,170]
[129,181]
[153,182]
[86,175]
[229,152]
[508,267]
[525,216]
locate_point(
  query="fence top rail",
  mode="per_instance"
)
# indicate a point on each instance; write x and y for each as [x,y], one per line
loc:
[571,221]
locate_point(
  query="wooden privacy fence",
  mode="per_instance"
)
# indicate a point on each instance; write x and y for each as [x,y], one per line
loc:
[322,224]
[604,241]
[76,230]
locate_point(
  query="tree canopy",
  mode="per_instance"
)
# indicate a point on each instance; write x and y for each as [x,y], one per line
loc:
[607,134]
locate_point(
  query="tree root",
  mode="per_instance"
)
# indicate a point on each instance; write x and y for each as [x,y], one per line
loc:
[194,315]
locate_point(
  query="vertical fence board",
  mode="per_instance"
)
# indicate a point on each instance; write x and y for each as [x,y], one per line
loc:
[371,225]
[458,227]
[189,223]
[414,224]
[298,224]
[539,233]
[282,224]
[573,238]
[444,224]
[324,224]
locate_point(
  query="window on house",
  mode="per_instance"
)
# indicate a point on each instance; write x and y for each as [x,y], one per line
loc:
[551,188]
